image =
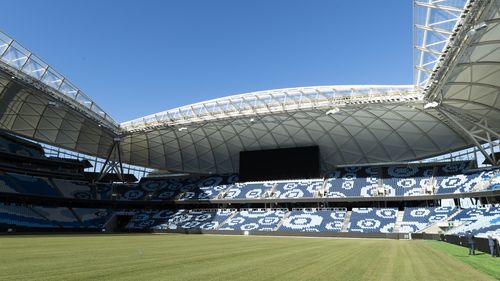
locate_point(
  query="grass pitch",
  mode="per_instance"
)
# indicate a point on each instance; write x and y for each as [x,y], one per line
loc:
[203,257]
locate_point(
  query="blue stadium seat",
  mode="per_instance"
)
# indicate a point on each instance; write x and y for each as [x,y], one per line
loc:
[255,220]
[415,219]
[314,220]
[481,221]
[368,220]
[61,216]
[74,189]
[298,189]
[208,188]
[458,183]
[352,182]
[103,191]
[146,219]
[6,185]
[130,192]
[32,185]
[12,216]
[93,218]
[254,190]
[406,180]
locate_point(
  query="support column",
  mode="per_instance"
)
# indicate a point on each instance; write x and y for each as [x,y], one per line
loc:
[479,132]
[111,165]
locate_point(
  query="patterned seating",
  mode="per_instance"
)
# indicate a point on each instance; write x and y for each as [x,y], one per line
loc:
[480,221]
[298,189]
[255,220]
[415,219]
[93,218]
[352,182]
[166,189]
[103,191]
[460,182]
[209,188]
[248,190]
[205,219]
[495,183]
[406,180]
[130,192]
[149,218]
[12,215]
[10,146]
[32,185]
[61,216]
[454,178]
[191,219]
[372,220]
[314,220]
[74,189]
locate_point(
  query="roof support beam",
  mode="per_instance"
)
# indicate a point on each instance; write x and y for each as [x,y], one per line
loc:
[478,133]
[111,165]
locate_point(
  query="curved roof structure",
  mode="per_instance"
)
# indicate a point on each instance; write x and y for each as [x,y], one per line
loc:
[351,124]
[453,104]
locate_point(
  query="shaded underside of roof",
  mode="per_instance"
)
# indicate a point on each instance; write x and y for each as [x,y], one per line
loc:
[33,114]
[367,133]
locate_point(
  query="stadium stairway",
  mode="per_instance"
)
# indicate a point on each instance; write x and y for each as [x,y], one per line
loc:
[282,220]
[269,193]
[226,220]
[347,220]
[399,219]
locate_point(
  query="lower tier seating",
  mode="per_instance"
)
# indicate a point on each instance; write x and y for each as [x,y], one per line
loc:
[255,220]
[416,219]
[367,220]
[481,221]
[314,220]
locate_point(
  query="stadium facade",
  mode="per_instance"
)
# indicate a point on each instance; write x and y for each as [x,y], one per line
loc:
[368,138]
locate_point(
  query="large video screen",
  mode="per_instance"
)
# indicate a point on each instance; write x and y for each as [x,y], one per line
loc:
[276,164]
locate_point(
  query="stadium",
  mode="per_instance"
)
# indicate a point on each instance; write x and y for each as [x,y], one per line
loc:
[335,182]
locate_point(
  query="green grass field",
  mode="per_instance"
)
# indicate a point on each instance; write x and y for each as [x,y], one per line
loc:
[203,257]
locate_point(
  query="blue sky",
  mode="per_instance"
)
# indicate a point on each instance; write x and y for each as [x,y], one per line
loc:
[139,57]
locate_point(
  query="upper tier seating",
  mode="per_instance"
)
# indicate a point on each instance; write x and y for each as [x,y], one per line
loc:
[253,190]
[93,218]
[314,220]
[74,189]
[103,191]
[372,220]
[7,144]
[298,189]
[32,185]
[406,180]
[209,187]
[12,215]
[130,192]
[255,219]
[5,185]
[454,179]
[415,219]
[188,188]
[352,182]
[169,188]
[495,182]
